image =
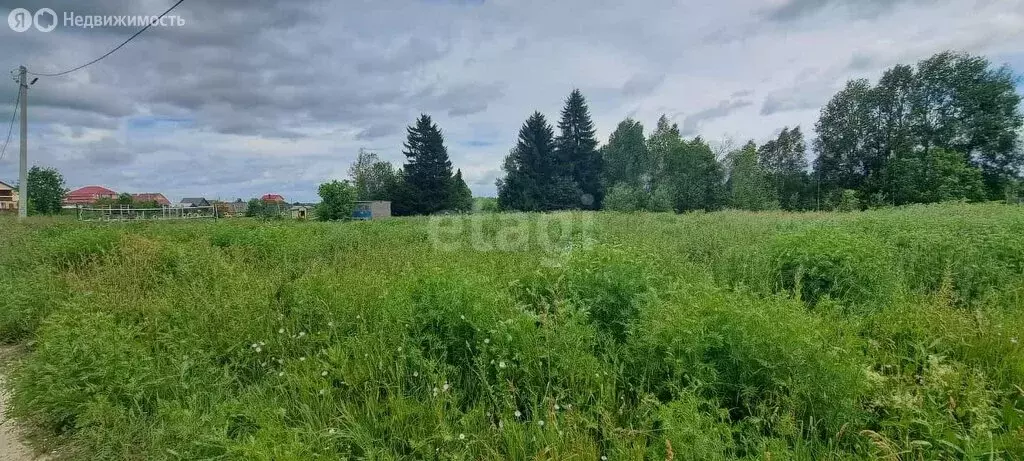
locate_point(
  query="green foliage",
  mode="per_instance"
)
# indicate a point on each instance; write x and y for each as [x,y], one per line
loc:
[626,158]
[729,335]
[950,103]
[486,205]
[936,175]
[46,191]
[622,197]
[337,201]
[532,172]
[577,154]
[427,174]
[749,184]
[373,178]
[258,208]
[785,164]
[461,196]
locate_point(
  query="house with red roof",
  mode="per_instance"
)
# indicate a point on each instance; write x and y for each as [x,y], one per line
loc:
[272,198]
[88,195]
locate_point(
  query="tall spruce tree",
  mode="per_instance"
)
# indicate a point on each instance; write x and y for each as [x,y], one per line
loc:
[461,196]
[427,173]
[530,168]
[579,160]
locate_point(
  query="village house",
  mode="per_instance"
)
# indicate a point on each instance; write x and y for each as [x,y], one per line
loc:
[88,195]
[193,202]
[157,198]
[8,197]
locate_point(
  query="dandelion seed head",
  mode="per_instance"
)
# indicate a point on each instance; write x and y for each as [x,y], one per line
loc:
[487,340]
[259,349]
[415,374]
[462,436]
[557,407]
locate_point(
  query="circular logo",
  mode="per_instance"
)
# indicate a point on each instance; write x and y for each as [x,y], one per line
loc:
[45,19]
[20,19]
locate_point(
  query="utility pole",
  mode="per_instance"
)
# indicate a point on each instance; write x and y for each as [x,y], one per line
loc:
[23,169]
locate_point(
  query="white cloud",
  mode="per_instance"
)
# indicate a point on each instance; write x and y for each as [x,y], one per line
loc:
[275,95]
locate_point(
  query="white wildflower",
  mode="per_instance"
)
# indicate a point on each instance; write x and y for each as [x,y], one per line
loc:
[1013,340]
[540,423]
[446,387]
[487,340]
[462,436]
[518,414]
[323,373]
[259,349]
[281,331]
[557,407]
[280,373]
[323,391]
[302,359]
[501,364]
[302,333]
[463,317]
[331,431]
[415,374]
[330,324]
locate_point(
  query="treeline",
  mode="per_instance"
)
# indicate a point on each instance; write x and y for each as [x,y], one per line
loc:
[426,183]
[946,129]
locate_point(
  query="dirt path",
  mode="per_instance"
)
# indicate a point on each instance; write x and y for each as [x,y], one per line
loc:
[12,441]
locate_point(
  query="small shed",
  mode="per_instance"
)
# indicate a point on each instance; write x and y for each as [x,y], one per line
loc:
[375,209]
[302,211]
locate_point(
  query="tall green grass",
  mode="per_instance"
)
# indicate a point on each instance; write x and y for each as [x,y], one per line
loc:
[886,334]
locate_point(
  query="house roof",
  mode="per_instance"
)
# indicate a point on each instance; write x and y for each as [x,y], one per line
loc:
[6,186]
[88,194]
[272,198]
[194,200]
[151,197]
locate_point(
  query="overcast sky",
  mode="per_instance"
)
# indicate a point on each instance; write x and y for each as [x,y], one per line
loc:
[276,96]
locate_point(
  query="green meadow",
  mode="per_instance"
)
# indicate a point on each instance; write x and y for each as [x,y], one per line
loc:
[889,334]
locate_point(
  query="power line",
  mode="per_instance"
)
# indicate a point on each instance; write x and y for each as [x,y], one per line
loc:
[118,47]
[17,100]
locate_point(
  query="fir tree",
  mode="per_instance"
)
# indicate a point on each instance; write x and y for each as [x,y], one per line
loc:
[530,173]
[578,159]
[427,171]
[461,196]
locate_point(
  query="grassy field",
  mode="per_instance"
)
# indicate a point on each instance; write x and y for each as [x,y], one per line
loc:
[886,334]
